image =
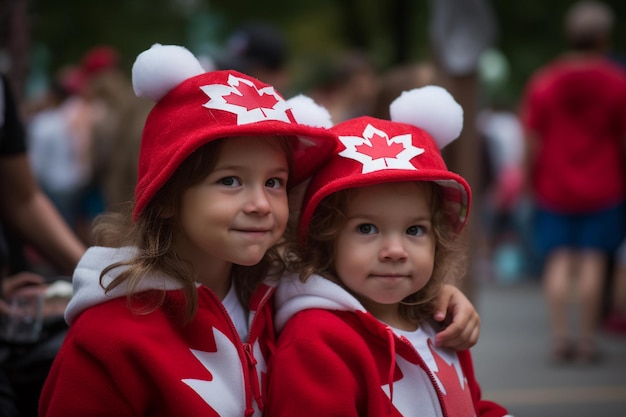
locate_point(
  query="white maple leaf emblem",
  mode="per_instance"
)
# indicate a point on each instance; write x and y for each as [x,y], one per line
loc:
[225,392]
[377,151]
[250,104]
[413,388]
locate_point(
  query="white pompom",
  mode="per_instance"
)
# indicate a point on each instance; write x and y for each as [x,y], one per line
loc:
[307,112]
[162,67]
[432,109]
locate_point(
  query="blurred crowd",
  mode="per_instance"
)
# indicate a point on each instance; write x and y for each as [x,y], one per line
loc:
[84,135]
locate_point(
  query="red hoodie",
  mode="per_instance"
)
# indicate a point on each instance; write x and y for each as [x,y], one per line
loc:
[114,362]
[333,358]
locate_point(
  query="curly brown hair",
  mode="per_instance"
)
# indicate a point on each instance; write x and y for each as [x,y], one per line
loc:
[315,253]
[154,230]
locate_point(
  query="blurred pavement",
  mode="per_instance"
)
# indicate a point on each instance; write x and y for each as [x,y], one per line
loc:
[512,364]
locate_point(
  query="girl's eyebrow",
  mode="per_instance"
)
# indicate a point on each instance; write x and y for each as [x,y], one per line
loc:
[374,218]
[363,217]
[234,167]
[280,170]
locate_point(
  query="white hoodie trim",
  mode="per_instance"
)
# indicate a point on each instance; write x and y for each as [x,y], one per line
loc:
[293,295]
[86,279]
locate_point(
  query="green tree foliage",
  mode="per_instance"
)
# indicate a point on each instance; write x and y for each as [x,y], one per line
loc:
[392,31]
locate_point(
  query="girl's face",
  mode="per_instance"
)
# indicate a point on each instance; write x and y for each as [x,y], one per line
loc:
[240,210]
[386,249]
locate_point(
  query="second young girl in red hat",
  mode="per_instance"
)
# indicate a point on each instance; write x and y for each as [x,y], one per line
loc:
[378,237]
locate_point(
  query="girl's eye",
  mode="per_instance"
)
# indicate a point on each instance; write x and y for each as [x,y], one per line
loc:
[230,181]
[366,228]
[415,231]
[275,183]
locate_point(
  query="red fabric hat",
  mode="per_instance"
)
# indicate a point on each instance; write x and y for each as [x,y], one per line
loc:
[373,151]
[194,108]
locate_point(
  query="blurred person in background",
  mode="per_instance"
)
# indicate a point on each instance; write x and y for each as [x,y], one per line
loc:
[616,320]
[118,117]
[354,86]
[94,122]
[260,50]
[574,115]
[503,211]
[27,217]
[25,211]
[54,150]
[106,120]
[347,84]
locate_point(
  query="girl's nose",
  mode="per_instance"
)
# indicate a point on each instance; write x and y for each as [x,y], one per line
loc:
[393,249]
[257,201]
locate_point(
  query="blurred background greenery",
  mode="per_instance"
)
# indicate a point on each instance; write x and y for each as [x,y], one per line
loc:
[394,31]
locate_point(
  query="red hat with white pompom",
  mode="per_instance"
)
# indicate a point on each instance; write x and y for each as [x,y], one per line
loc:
[194,107]
[407,148]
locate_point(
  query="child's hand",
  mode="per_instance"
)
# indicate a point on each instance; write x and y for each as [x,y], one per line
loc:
[461,319]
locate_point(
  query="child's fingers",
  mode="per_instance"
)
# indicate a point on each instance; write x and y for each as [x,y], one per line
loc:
[460,335]
[443,303]
[450,337]
[439,315]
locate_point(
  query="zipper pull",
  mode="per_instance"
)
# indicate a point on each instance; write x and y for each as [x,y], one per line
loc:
[256,391]
[247,347]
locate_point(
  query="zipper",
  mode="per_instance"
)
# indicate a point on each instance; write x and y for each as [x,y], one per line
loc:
[252,335]
[254,378]
[248,348]
[249,409]
[431,376]
[251,376]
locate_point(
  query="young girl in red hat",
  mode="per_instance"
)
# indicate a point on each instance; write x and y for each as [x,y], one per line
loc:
[173,317]
[377,239]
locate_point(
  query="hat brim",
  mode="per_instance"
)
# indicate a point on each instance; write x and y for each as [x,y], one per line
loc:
[457,192]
